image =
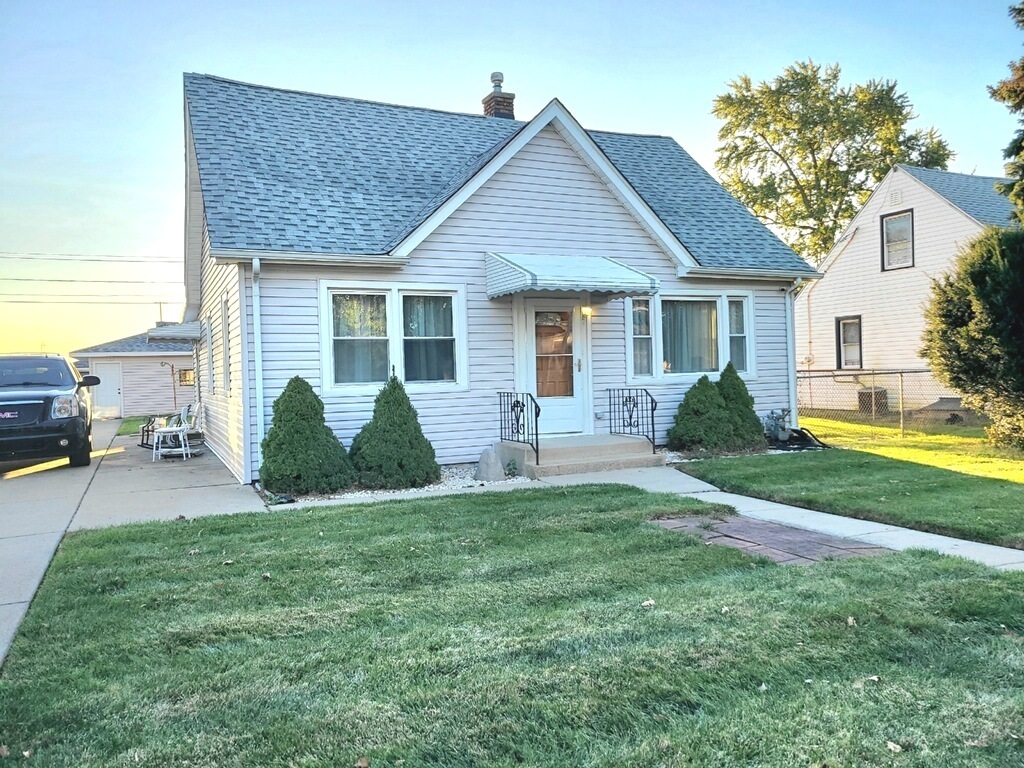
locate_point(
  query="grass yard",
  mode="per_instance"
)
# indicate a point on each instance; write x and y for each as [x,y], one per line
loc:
[943,481]
[505,629]
[131,425]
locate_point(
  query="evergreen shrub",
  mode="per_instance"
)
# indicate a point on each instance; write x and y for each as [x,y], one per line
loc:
[390,450]
[702,421]
[300,452]
[748,431]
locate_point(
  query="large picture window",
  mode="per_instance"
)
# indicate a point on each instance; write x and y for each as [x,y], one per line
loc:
[416,332]
[898,240]
[689,336]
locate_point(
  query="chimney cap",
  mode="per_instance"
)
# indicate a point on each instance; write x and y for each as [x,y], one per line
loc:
[496,80]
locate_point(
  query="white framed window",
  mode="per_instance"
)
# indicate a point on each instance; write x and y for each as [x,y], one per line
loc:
[209,354]
[643,338]
[368,329]
[186,377]
[738,334]
[692,334]
[225,344]
[848,342]
[898,240]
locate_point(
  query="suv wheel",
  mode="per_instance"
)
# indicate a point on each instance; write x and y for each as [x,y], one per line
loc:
[83,456]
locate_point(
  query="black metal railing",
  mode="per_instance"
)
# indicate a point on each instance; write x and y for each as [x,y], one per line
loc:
[631,412]
[518,416]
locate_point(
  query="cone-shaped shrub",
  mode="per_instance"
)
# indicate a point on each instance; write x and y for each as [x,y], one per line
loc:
[702,421]
[390,450]
[748,431]
[300,452]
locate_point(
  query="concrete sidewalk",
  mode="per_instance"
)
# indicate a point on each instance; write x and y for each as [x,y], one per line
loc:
[668,480]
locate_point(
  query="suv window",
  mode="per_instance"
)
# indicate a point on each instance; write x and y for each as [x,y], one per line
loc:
[34,371]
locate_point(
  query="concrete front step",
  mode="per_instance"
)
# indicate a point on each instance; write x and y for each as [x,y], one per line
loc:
[555,450]
[602,464]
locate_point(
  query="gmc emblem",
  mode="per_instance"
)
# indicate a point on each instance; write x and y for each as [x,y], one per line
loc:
[8,414]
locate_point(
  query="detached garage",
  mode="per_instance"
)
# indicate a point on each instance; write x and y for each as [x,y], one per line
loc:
[139,377]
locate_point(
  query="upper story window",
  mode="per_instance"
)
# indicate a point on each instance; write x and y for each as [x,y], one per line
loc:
[417,332]
[898,240]
[848,343]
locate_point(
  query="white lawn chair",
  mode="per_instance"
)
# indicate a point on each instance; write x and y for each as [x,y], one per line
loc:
[174,437]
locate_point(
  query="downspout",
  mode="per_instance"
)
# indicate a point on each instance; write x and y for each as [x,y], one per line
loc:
[257,343]
[791,349]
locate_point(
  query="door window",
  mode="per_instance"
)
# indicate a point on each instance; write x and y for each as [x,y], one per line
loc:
[553,336]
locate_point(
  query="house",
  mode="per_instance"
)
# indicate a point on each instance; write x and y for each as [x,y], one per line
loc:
[867,312]
[139,377]
[339,240]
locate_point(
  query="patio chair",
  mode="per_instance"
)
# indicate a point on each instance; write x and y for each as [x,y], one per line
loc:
[174,438]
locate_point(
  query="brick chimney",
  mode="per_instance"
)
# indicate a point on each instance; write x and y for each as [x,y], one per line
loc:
[497,103]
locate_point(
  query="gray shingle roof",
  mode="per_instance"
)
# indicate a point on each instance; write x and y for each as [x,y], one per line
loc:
[137,343]
[974,195]
[293,171]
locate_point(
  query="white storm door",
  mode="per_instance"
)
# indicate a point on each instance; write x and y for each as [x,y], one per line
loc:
[556,346]
[106,398]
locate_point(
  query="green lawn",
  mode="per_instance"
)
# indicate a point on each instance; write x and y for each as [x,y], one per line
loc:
[948,481]
[505,629]
[131,425]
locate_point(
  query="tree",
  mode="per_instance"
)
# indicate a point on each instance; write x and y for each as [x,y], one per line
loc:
[974,334]
[390,451]
[300,452]
[1011,93]
[803,152]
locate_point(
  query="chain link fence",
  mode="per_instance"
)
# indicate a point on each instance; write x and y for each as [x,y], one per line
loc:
[894,401]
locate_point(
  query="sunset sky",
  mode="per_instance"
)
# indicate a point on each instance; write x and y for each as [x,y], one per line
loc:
[91,146]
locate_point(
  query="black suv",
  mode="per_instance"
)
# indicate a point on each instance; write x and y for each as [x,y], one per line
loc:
[45,409]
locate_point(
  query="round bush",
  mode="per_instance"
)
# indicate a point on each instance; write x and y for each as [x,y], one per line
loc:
[748,431]
[300,452]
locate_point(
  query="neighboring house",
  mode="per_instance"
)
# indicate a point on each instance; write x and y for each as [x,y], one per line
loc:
[867,312]
[140,378]
[340,240]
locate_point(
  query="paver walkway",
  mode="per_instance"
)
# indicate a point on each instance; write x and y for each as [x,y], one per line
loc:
[785,545]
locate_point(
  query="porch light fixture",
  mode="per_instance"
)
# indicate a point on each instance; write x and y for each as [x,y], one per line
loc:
[586,311]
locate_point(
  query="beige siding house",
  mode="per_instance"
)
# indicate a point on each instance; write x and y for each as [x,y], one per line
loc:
[139,377]
[867,312]
[340,240]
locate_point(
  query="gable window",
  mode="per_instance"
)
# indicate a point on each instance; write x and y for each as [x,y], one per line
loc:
[186,377]
[898,240]
[417,332]
[643,340]
[689,331]
[738,334]
[848,342]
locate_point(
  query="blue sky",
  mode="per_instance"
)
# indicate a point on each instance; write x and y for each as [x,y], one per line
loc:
[91,148]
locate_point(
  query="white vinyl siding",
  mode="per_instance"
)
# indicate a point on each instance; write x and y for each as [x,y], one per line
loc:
[546,201]
[149,388]
[890,303]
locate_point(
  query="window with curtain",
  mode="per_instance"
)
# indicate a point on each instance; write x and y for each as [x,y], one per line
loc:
[737,334]
[689,332]
[428,338]
[360,337]
[643,341]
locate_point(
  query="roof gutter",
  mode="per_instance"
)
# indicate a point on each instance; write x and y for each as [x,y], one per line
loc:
[750,274]
[235,255]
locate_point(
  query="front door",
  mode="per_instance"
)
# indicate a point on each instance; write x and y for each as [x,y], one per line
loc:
[556,359]
[106,398]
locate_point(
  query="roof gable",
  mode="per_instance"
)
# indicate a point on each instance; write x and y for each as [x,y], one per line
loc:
[300,173]
[974,195]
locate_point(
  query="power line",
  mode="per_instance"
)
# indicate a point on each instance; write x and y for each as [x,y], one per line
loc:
[71,280]
[84,256]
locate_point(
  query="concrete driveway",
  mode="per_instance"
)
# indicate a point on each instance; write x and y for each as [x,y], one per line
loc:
[40,502]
